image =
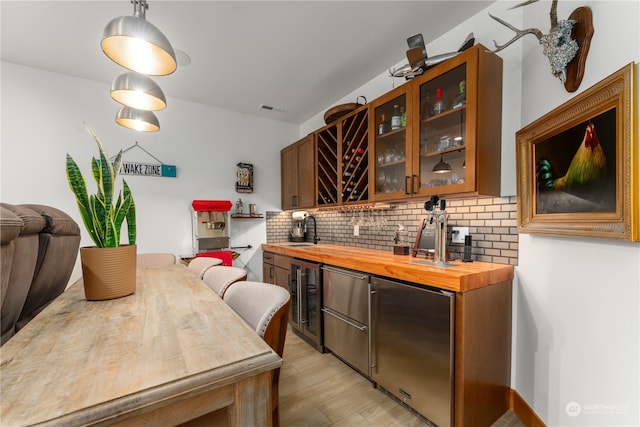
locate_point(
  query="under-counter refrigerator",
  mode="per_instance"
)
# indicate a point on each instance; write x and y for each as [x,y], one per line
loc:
[412,346]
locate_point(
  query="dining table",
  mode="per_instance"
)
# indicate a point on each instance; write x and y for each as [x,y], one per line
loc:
[173,353]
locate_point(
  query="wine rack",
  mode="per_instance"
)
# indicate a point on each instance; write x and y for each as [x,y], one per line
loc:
[355,158]
[327,153]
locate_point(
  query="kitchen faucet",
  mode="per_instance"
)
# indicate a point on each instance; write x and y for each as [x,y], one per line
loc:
[315,228]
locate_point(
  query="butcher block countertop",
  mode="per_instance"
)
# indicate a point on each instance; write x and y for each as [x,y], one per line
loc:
[459,277]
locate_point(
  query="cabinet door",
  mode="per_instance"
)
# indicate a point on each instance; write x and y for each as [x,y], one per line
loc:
[457,147]
[306,173]
[297,184]
[390,174]
[289,177]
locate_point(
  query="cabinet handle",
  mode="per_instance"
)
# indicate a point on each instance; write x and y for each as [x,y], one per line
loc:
[406,184]
[361,328]
[294,201]
[415,188]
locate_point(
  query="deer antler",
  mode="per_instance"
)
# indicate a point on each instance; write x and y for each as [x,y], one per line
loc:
[519,33]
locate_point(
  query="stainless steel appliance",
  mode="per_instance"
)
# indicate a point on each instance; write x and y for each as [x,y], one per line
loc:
[306,294]
[412,346]
[345,307]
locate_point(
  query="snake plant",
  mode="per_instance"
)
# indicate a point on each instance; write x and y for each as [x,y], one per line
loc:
[102,219]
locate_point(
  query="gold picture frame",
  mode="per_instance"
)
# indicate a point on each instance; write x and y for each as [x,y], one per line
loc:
[578,166]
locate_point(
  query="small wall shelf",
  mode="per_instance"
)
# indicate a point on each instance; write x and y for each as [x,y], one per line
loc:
[247,216]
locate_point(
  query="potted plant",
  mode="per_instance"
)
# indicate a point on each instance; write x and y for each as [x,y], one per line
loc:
[108,268]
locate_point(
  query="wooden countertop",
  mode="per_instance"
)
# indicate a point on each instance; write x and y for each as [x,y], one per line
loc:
[459,277]
[81,362]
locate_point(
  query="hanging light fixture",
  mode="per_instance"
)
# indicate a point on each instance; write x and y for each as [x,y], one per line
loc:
[441,166]
[138,91]
[141,120]
[138,45]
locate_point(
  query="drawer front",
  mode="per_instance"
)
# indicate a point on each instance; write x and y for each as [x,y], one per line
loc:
[348,340]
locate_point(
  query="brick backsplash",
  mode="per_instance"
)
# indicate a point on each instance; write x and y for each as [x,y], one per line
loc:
[492,222]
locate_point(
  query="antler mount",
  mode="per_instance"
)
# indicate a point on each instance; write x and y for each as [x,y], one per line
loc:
[566,45]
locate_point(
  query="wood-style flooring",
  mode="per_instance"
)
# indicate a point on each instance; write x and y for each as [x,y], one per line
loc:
[318,389]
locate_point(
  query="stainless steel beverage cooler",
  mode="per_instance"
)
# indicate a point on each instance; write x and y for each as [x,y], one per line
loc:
[210,225]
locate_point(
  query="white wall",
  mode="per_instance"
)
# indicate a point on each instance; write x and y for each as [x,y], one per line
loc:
[578,308]
[42,119]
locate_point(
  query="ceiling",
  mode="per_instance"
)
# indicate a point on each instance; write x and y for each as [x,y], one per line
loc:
[299,57]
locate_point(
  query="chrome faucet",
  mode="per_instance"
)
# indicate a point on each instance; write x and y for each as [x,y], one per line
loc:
[315,228]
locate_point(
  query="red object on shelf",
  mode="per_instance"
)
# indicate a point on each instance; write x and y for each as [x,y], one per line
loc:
[211,205]
[225,256]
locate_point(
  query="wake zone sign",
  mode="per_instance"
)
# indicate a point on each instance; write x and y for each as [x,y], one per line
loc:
[148,169]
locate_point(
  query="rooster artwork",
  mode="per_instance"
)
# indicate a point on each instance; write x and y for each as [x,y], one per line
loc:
[584,186]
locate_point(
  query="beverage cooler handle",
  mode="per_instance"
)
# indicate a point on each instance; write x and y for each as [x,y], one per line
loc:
[299,296]
[373,319]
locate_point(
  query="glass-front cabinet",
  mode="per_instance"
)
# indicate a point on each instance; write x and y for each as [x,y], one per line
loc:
[390,126]
[449,137]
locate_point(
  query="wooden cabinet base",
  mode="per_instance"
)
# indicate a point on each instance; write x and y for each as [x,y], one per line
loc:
[483,354]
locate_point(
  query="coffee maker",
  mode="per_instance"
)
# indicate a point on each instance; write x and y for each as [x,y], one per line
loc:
[297,232]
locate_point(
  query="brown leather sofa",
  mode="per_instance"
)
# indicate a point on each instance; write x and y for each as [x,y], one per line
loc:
[39,247]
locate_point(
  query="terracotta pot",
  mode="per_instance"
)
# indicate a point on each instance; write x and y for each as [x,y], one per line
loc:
[108,273]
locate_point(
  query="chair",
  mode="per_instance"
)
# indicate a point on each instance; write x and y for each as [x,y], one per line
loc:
[265,308]
[200,265]
[155,259]
[219,277]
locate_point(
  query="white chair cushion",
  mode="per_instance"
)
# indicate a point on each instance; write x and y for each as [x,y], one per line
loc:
[200,265]
[256,302]
[220,277]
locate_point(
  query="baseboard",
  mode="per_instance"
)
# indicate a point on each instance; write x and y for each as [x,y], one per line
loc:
[524,412]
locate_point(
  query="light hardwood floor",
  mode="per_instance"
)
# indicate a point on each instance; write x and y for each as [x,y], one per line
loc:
[319,390]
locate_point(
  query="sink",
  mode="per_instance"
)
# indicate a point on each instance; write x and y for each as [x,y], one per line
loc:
[298,245]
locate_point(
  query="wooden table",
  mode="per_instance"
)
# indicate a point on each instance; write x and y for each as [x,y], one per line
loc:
[170,353]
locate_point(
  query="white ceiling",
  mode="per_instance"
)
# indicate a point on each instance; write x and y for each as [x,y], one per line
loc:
[298,56]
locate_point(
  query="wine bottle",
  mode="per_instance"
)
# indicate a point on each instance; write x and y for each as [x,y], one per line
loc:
[382,128]
[396,118]
[438,103]
[427,105]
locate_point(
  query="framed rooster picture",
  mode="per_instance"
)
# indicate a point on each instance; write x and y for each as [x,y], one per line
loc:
[578,166]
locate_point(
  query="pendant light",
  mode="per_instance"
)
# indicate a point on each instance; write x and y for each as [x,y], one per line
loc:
[141,120]
[138,91]
[441,166]
[138,45]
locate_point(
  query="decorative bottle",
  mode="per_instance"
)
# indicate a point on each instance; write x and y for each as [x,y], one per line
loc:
[427,105]
[403,117]
[438,103]
[396,118]
[461,97]
[382,128]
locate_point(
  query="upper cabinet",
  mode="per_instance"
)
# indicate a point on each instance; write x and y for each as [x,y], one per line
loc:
[450,141]
[297,166]
[438,134]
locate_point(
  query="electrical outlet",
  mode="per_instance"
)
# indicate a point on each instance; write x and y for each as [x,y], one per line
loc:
[458,234]
[356,230]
